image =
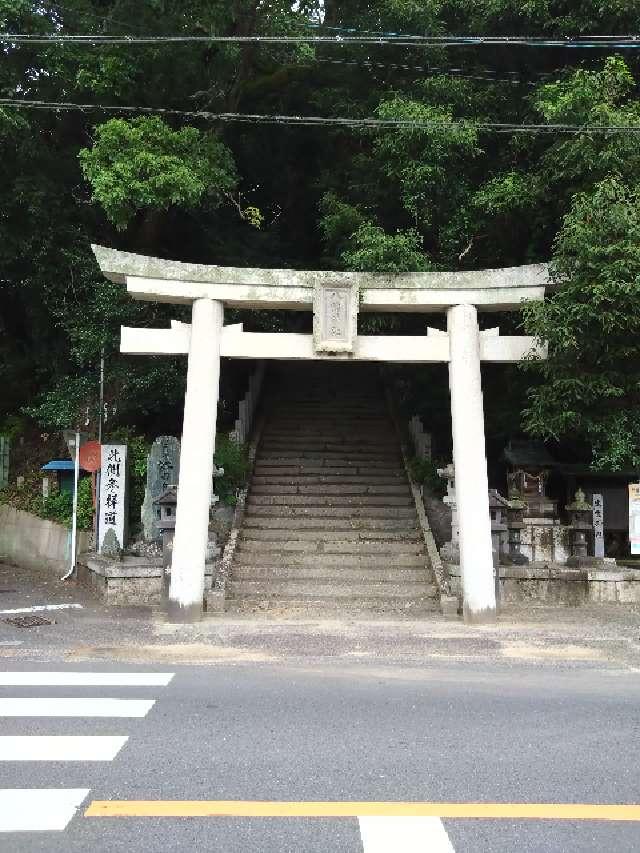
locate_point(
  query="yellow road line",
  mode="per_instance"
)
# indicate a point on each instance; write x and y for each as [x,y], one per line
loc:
[249,808]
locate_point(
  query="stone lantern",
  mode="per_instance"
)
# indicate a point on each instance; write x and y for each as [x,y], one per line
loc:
[498,511]
[166,523]
[581,523]
[450,551]
[515,524]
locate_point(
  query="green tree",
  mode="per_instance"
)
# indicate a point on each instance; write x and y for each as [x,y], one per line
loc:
[590,384]
[143,165]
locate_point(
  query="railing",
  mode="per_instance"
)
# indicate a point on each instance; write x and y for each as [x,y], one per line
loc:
[4,461]
[421,439]
[448,603]
[247,407]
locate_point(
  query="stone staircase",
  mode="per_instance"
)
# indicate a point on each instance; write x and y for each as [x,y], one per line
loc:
[330,524]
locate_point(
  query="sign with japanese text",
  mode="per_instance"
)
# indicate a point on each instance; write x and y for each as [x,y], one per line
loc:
[634,517]
[598,526]
[113,497]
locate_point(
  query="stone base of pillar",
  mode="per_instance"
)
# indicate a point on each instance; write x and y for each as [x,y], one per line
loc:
[449,606]
[215,602]
[181,613]
[479,617]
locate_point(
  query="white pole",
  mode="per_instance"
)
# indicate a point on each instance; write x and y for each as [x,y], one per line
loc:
[186,590]
[469,454]
[74,515]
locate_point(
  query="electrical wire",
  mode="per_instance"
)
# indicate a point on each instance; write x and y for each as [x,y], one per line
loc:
[95,40]
[512,77]
[327,121]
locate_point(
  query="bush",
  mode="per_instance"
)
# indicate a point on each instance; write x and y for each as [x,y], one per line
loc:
[57,507]
[233,458]
[425,473]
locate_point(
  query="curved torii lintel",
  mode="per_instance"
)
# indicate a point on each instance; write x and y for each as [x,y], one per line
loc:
[155,279]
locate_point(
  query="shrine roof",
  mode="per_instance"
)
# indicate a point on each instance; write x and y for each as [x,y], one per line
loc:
[531,454]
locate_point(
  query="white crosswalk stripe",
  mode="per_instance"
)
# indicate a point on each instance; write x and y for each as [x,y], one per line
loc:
[53,707]
[31,809]
[404,835]
[60,747]
[85,679]
[40,809]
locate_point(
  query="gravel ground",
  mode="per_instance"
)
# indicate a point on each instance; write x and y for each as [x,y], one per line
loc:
[586,637]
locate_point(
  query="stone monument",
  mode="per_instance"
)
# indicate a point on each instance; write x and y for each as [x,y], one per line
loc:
[163,470]
[113,515]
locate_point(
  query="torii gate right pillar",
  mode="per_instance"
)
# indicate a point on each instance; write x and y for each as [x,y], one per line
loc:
[470,461]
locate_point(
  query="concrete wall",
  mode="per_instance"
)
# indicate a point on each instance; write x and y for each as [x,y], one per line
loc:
[35,543]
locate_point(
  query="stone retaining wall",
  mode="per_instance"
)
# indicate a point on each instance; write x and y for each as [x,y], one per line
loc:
[128,581]
[36,543]
[546,584]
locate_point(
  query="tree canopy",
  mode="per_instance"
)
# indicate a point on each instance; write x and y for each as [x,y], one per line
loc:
[442,193]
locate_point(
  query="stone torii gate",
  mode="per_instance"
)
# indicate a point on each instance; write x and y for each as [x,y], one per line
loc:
[335,299]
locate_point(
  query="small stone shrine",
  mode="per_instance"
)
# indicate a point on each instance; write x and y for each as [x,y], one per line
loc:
[163,470]
[529,465]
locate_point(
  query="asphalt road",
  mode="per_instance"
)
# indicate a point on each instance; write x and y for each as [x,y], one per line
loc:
[458,733]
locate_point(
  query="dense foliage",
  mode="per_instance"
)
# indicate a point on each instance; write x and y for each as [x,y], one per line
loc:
[447,195]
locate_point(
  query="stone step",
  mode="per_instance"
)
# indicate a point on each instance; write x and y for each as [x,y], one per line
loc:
[333,404]
[321,419]
[327,560]
[316,606]
[327,471]
[349,456]
[316,422]
[344,489]
[321,446]
[330,441]
[315,481]
[327,461]
[381,537]
[315,428]
[399,526]
[336,499]
[321,546]
[330,574]
[335,589]
[344,512]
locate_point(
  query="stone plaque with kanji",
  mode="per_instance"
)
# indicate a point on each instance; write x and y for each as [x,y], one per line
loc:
[335,317]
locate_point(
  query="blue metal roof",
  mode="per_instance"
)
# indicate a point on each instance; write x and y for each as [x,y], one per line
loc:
[58,465]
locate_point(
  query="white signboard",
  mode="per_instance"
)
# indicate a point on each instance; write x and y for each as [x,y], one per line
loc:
[598,526]
[113,482]
[634,517]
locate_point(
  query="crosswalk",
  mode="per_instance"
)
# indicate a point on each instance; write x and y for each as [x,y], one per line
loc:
[51,809]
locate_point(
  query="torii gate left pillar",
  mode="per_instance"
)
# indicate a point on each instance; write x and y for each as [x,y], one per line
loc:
[335,299]
[186,590]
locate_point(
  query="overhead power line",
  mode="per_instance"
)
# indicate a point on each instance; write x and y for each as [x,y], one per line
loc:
[96,40]
[513,77]
[325,121]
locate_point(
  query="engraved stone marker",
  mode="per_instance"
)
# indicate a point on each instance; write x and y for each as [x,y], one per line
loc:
[113,497]
[163,470]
